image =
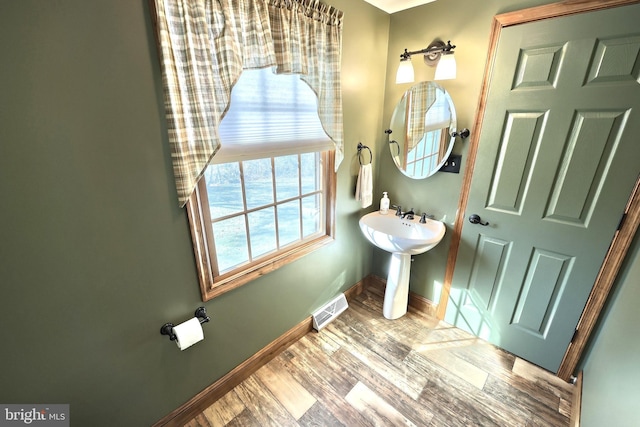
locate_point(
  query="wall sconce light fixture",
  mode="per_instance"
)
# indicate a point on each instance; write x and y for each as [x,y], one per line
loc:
[437,53]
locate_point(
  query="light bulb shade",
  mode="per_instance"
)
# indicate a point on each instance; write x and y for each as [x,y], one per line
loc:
[446,68]
[405,72]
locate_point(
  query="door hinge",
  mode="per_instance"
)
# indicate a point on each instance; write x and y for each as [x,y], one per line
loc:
[621,223]
[575,335]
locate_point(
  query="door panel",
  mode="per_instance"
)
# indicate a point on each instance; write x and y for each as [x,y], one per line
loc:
[543,284]
[557,159]
[491,257]
[615,61]
[591,149]
[517,153]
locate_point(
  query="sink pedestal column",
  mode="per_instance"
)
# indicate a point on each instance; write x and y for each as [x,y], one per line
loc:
[396,294]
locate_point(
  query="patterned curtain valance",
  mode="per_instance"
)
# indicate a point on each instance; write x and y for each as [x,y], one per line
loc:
[205,45]
[422,97]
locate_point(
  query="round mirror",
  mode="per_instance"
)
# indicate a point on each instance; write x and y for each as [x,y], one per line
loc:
[422,126]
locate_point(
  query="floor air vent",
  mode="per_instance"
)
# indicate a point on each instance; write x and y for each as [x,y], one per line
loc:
[329,311]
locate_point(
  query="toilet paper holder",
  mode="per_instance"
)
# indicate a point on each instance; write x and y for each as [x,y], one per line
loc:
[167,328]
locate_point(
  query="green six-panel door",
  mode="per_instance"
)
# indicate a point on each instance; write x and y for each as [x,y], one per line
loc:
[557,159]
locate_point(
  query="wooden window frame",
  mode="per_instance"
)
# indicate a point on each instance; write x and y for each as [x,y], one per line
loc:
[212,285]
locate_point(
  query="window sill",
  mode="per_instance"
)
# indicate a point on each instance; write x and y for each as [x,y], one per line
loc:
[224,283]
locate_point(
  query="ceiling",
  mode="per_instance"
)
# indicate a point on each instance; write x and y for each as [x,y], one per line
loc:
[391,6]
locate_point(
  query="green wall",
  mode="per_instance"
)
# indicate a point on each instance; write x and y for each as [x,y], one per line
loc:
[611,376]
[95,254]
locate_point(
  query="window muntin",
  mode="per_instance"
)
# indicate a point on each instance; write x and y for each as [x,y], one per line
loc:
[273,202]
[426,155]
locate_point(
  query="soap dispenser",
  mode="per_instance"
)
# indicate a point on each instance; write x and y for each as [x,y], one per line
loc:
[384,204]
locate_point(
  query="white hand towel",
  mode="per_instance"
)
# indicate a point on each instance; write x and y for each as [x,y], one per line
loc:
[364,186]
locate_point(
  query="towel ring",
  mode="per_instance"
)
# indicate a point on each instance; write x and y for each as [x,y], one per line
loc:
[393,141]
[360,148]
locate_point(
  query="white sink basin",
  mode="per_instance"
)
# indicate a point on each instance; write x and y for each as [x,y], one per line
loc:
[395,235]
[403,238]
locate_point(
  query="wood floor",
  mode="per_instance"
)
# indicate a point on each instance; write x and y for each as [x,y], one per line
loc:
[364,370]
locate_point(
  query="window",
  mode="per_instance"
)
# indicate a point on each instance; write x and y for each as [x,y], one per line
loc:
[269,196]
[431,149]
[428,153]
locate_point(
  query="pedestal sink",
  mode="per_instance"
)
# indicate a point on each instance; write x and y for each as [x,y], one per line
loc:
[402,238]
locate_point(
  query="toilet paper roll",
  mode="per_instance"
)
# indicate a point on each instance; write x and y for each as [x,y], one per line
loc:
[188,333]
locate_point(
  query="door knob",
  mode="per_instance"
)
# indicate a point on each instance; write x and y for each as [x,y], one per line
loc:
[475,219]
